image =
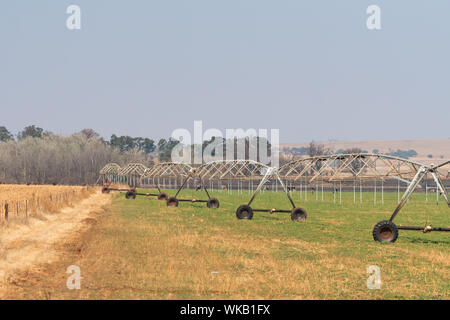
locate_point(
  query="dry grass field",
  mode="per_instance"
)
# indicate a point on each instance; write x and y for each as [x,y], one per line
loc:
[31,201]
[26,247]
[14,192]
[142,249]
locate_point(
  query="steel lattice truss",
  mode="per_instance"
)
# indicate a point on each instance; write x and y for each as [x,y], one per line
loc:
[110,169]
[438,172]
[167,170]
[341,167]
[443,169]
[135,169]
[231,169]
[336,167]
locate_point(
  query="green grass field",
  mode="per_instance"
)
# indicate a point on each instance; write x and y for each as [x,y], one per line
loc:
[142,249]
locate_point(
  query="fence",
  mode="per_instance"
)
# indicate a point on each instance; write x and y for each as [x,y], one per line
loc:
[37,205]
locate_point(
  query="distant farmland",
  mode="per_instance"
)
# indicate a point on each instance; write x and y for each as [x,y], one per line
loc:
[438,148]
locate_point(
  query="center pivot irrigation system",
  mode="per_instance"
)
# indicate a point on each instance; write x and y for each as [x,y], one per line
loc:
[387,231]
[173,170]
[354,168]
[337,172]
[248,170]
[130,174]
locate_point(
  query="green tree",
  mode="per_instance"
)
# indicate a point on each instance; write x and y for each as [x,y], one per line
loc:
[165,148]
[31,131]
[5,135]
[125,143]
[147,145]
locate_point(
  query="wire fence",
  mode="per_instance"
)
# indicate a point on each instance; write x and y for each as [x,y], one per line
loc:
[39,204]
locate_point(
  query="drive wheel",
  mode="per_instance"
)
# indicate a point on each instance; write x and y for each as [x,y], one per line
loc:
[172,202]
[298,214]
[212,203]
[244,212]
[130,195]
[385,231]
[105,190]
[162,196]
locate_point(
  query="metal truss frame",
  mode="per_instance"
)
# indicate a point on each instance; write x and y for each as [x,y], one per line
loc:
[167,169]
[231,169]
[341,167]
[136,169]
[330,168]
[109,172]
[183,171]
[387,231]
[364,166]
[246,170]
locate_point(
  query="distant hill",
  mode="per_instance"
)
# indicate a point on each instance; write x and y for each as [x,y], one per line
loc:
[428,150]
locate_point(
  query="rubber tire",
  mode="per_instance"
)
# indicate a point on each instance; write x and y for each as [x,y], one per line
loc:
[298,214]
[163,196]
[130,195]
[172,202]
[213,203]
[244,212]
[105,190]
[385,231]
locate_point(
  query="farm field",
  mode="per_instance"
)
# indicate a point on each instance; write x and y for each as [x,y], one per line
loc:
[24,201]
[27,245]
[142,249]
[18,192]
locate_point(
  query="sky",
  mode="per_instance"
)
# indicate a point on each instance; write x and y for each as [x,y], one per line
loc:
[311,69]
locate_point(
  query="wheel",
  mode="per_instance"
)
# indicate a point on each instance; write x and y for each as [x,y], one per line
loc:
[212,203]
[385,231]
[172,202]
[105,190]
[298,214]
[130,195]
[244,212]
[163,196]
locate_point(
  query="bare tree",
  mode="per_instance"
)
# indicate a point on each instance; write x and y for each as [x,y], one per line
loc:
[315,149]
[356,164]
[90,133]
[62,160]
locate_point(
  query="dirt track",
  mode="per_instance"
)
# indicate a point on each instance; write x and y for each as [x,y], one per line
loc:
[25,247]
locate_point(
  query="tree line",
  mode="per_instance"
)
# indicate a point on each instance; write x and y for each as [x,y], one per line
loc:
[36,156]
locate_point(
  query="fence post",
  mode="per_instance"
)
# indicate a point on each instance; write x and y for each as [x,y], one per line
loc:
[6,211]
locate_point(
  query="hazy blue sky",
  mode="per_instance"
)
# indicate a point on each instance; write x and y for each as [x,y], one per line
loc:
[310,68]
